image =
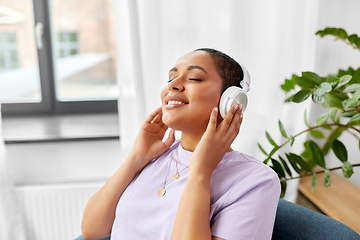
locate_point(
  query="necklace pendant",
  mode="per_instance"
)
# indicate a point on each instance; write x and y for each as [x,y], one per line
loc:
[161,192]
[175,176]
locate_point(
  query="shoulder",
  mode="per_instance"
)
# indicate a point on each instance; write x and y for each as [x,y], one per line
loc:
[245,172]
[244,165]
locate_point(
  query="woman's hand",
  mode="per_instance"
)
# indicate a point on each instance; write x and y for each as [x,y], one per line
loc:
[148,144]
[216,140]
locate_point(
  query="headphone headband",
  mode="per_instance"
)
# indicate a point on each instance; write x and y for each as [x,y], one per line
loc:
[245,82]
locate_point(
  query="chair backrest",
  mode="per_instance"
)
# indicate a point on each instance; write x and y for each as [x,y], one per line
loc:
[295,222]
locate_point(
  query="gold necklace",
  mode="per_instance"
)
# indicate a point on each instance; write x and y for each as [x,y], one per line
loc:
[175,176]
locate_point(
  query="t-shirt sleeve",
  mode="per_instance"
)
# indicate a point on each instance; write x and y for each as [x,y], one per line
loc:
[249,209]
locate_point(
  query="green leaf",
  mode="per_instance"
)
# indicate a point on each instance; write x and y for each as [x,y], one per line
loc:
[332,102]
[305,119]
[312,76]
[307,153]
[326,127]
[340,150]
[322,119]
[319,99]
[353,38]
[352,88]
[300,163]
[271,140]
[334,135]
[348,114]
[271,153]
[322,33]
[288,85]
[356,94]
[356,76]
[338,95]
[352,102]
[313,182]
[287,169]
[303,164]
[347,169]
[327,177]
[292,140]
[283,189]
[289,98]
[343,81]
[354,120]
[282,130]
[305,83]
[333,80]
[325,86]
[293,163]
[301,96]
[277,168]
[261,148]
[317,154]
[342,33]
[333,114]
[357,43]
[317,134]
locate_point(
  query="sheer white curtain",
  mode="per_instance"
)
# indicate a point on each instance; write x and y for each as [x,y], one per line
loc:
[273,39]
[10,218]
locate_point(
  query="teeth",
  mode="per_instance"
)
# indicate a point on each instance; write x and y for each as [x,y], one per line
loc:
[172,102]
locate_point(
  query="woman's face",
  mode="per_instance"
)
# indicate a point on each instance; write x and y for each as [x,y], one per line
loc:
[194,89]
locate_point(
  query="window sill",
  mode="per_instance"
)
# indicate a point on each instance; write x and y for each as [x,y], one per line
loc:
[65,127]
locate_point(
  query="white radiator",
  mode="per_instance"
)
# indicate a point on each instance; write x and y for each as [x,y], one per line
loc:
[54,211]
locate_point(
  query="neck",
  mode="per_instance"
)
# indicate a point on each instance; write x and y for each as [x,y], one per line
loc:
[190,141]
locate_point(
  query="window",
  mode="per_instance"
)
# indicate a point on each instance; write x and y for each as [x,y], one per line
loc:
[67,44]
[67,64]
[8,51]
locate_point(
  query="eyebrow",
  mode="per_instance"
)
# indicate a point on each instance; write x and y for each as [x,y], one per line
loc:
[191,67]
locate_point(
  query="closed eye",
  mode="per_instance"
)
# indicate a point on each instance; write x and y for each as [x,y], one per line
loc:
[170,81]
[195,79]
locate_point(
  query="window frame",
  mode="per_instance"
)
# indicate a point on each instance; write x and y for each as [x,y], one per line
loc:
[49,103]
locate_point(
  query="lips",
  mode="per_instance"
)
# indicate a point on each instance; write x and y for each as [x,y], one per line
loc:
[175,100]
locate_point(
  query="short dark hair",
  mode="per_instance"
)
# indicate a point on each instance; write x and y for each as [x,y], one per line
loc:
[228,69]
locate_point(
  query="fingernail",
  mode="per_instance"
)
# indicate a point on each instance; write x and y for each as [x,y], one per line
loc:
[236,107]
[216,109]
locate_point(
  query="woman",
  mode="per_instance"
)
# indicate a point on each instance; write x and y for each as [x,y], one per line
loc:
[195,188]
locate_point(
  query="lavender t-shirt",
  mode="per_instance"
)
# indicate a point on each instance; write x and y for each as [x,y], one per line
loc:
[244,197]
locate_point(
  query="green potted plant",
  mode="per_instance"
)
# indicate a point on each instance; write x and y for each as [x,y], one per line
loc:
[339,95]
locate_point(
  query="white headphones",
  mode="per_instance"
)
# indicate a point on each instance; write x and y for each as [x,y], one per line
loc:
[235,95]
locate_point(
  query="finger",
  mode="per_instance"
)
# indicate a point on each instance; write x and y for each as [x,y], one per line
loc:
[170,140]
[157,118]
[213,120]
[224,125]
[234,128]
[153,115]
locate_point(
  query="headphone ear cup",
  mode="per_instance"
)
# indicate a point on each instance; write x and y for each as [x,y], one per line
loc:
[222,105]
[232,95]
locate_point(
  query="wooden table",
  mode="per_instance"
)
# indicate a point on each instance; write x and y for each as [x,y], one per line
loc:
[341,200]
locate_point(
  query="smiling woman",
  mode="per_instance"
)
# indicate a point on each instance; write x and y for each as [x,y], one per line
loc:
[195,188]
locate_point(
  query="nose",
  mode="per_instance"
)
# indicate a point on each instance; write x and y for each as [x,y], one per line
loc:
[176,85]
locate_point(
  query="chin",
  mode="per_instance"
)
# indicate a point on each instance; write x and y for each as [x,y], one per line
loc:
[171,123]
